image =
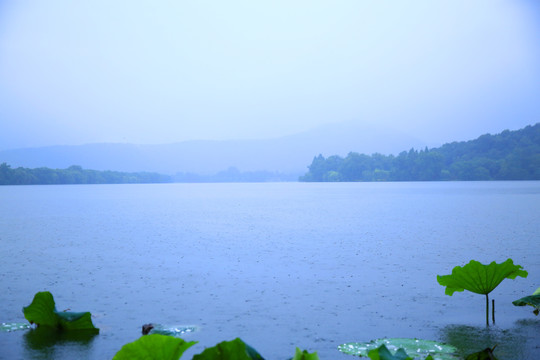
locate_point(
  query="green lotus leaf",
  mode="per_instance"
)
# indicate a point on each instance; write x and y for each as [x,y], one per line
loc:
[304,355]
[413,347]
[42,312]
[229,350]
[154,347]
[9,327]
[531,300]
[479,278]
[382,353]
[75,320]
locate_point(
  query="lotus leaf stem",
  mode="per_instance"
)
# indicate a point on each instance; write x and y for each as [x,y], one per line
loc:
[493,310]
[487,310]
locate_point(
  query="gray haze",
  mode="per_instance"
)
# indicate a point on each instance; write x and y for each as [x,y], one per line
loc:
[289,154]
[140,72]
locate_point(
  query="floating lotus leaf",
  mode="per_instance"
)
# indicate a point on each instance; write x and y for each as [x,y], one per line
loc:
[531,300]
[304,355]
[8,327]
[172,330]
[413,347]
[229,350]
[42,312]
[479,278]
[154,347]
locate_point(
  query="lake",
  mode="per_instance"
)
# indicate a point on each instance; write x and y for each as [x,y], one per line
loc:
[279,265]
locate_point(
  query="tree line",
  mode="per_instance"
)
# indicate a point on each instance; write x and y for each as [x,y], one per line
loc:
[74,175]
[510,155]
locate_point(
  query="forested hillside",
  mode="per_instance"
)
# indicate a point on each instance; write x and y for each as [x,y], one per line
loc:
[510,155]
[74,175]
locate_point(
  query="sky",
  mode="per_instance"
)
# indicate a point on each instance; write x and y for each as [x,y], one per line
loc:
[152,72]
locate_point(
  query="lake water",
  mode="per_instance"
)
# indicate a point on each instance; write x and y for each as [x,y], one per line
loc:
[279,265]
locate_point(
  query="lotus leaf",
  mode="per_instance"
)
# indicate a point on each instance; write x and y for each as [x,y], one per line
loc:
[154,347]
[382,353]
[532,300]
[229,350]
[42,311]
[416,347]
[479,278]
[304,355]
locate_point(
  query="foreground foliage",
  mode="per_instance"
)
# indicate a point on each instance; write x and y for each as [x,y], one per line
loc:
[305,355]
[479,278]
[164,343]
[418,347]
[382,353]
[531,300]
[235,349]
[154,347]
[42,312]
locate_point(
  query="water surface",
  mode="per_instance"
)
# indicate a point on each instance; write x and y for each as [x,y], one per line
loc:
[280,265]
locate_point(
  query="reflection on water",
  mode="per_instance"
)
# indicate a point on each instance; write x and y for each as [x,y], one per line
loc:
[43,343]
[519,342]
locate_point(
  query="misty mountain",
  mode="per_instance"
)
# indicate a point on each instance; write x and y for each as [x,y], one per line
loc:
[288,154]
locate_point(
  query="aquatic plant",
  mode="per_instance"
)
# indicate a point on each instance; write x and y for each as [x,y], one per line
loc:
[154,347]
[171,330]
[531,300]
[418,347]
[166,347]
[14,326]
[42,312]
[382,353]
[234,349]
[305,355]
[480,279]
[486,354]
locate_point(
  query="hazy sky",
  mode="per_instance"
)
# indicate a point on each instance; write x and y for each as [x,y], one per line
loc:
[75,72]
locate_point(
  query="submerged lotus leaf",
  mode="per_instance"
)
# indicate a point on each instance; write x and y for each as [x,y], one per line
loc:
[42,312]
[9,327]
[154,347]
[172,330]
[479,278]
[531,300]
[304,355]
[413,347]
[229,350]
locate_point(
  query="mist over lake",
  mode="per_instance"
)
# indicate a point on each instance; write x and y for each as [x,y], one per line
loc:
[280,265]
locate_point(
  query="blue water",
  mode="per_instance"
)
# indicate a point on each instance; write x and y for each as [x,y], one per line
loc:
[278,264]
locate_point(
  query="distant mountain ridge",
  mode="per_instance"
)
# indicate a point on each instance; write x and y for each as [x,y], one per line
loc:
[289,154]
